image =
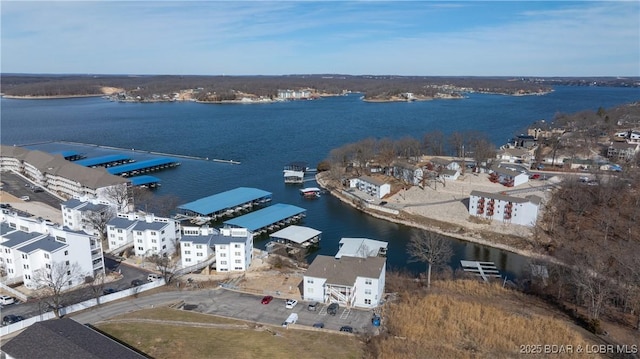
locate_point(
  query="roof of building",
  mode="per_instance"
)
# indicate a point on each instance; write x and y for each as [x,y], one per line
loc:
[13,151]
[207,239]
[73,203]
[47,244]
[440,161]
[266,216]
[120,222]
[19,237]
[623,145]
[5,228]
[66,339]
[102,160]
[502,197]
[345,270]
[371,180]
[224,200]
[221,239]
[149,226]
[449,172]
[505,171]
[360,247]
[91,207]
[116,170]
[297,234]
[142,180]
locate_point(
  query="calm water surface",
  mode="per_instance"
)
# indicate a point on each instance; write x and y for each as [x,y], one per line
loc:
[264,137]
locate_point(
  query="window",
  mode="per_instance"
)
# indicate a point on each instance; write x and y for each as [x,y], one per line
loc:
[139,233]
[310,281]
[61,239]
[367,291]
[187,252]
[48,266]
[199,254]
[238,261]
[24,256]
[154,241]
[309,290]
[237,245]
[186,244]
[153,233]
[25,266]
[46,255]
[140,248]
[238,268]
[67,263]
[164,246]
[119,230]
[224,263]
[368,281]
[66,253]
[223,254]
[139,240]
[223,247]
[113,243]
[70,282]
[187,259]
[367,301]
[68,272]
[199,246]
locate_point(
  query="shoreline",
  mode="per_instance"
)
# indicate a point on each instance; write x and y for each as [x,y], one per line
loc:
[56,97]
[462,237]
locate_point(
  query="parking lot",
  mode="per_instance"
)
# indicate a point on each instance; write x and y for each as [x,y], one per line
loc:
[244,306]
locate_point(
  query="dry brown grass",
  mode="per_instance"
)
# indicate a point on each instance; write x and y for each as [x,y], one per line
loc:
[469,319]
[194,335]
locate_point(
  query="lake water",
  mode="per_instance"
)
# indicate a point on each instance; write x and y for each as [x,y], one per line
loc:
[265,137]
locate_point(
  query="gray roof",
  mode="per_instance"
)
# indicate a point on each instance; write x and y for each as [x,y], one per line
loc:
[198,239]
[5,228]
[220,239]
[502,197]
[19,237]
[48,244]
[66,339]
[90,207]
[372,180]
[360,247]
[153,226]
[120,222]
[73,203]
[345,270]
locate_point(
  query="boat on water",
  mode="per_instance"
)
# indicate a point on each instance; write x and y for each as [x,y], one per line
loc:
[310,192]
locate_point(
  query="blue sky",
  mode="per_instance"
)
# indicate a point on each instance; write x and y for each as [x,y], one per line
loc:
[450,38]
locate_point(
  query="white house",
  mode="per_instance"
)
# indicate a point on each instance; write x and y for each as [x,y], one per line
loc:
[349,281]
[515,155]
[31,251]
[233,248]
[509,177]
[443,163]
[372,186]
[450,175]
[409,173]
[504,208]
[149,235]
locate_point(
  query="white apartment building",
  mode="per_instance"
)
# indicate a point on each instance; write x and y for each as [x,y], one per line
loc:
[76,214]
[31,250]
[233,248]
[149,235]
[349,281]
[67,179]
[196,245]
[504,208]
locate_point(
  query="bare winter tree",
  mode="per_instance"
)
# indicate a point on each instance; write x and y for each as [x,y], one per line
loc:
[99,219]
[96,285]
[433,143]
[386,152]
[430,248]
[121,195]
[167,267]
[53,283]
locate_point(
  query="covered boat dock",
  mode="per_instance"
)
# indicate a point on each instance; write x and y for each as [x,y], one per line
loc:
[294,172]
[70,155]
[226,203]
[361,247]
[145,181]
[105,161]
[136,168]
[297,235]
[268,219]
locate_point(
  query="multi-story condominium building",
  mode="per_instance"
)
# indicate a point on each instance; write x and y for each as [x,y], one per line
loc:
[505,208]
[65,178]
[149,235]
[349,281]
[372,186]
[82,215]
[33,252]
[196,245]
[233,248]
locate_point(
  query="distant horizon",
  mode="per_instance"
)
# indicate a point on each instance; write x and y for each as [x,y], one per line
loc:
[276,38]
[318,74]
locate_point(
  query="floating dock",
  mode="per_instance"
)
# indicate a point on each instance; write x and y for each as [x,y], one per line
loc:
[268,219]
[296,236]
[105,161]
[137,168]
[227,203]
[145,181]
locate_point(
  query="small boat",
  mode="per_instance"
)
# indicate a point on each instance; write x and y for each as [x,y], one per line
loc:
[310,192]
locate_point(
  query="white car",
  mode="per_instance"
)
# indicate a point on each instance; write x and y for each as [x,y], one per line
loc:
[25,198]
[291,303]
[6,300]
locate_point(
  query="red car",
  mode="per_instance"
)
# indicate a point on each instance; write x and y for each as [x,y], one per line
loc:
[267,299]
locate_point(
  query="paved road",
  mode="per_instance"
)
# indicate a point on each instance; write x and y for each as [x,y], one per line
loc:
[231,304]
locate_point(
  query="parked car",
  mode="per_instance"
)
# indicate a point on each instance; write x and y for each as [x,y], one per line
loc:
[346,329]
[312,306]
[136,282]
[6,300]
[152,276]
[535,176]
[332,309]
[290,303]
[318,325]
[38,189]
[108,291]
[383,203]
[291,319]
[25,198]
[10,319]
[266,299]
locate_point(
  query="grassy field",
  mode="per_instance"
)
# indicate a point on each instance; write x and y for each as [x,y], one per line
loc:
[186,335]
[471,319]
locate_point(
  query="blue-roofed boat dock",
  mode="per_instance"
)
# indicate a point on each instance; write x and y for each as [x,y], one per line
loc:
[145,181]
[147,166]
[105,161]
[268,219]
[70,155]
[227,203]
